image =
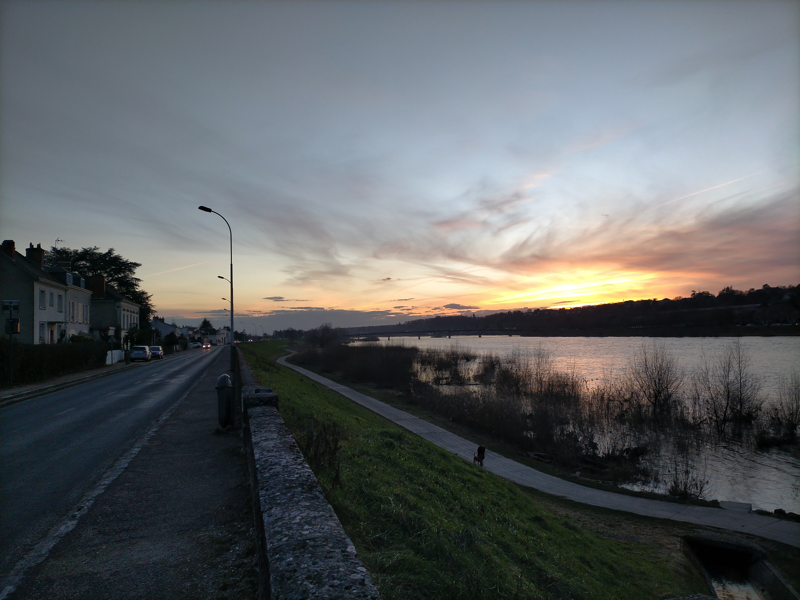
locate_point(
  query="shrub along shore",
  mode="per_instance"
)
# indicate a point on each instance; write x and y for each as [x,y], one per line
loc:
[430,525]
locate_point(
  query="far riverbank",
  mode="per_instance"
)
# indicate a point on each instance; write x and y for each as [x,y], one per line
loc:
[748,331]
[757,331]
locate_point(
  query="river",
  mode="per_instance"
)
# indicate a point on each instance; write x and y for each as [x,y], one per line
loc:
[765,479]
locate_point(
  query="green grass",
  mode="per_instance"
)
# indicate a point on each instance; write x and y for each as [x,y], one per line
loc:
[430,525]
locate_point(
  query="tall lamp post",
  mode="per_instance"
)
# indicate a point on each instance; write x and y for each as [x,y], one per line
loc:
[233,347]
[233,338]
[229,311]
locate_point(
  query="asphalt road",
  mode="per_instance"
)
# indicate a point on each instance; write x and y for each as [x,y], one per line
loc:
[56,448]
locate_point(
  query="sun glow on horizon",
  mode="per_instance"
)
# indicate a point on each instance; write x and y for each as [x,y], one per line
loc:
[606,290]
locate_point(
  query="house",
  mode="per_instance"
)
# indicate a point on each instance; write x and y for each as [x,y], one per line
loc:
[52,305]
[190,333]
[158,324]
[222,336]
[112,313]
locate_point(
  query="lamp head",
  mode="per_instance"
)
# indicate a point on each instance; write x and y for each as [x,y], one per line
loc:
[205,209]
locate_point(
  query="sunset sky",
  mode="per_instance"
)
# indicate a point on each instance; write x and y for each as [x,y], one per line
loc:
[380,161]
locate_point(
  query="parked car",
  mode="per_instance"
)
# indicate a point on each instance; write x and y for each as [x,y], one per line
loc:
[156,351]
[195,345]
[140,353]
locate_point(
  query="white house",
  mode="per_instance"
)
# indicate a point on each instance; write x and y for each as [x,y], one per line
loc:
[223,336]
[189,332]
[52,305]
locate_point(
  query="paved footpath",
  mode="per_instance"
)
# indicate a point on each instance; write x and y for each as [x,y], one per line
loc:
[783,531]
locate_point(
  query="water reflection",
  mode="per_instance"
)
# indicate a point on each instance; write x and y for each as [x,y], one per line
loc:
[598,358]
[767,480]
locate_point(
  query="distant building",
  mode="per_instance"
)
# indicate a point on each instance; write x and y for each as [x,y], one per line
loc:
[223,336]
[164,328]
[189,332]
[112,313]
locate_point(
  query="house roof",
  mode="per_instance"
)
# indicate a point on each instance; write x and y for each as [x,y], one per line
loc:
[31,269]
[113,295]
[37,273]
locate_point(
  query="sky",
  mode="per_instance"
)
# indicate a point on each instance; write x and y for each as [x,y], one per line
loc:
[381,161]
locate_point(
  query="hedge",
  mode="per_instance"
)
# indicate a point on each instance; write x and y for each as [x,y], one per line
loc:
[37,362]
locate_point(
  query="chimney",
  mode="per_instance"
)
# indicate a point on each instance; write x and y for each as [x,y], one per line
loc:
[35,255]
[9,248]
[97,284]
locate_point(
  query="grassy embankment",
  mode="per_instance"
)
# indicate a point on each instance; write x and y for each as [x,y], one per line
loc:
[430,525]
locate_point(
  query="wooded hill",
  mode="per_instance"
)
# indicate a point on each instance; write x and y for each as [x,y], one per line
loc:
[730,308]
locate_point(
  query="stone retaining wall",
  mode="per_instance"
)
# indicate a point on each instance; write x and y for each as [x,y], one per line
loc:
[303,550]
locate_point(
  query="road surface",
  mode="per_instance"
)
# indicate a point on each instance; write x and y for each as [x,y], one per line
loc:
[56,448]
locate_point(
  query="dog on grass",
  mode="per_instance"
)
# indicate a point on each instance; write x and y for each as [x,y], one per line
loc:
[477,459]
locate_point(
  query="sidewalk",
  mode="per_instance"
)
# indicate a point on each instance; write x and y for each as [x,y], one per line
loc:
[176,523]
[30,390]
[786,532]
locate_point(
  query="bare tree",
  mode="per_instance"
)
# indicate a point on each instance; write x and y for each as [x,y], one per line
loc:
[323,335]
[656,377]
[788,406]
[746,386]
[727,389]
[712,386]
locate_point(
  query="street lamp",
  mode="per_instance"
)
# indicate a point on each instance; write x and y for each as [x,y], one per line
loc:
[228,310]
[233,348]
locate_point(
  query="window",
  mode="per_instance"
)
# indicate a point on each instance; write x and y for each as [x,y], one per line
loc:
[41,331]
[51,299]
[60,303]
[42,299]
[80,312]
[72,312]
